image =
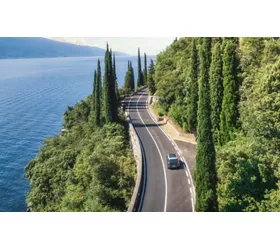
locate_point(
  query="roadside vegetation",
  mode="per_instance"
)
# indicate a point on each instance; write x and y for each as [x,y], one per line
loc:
[90,165]
[227,92]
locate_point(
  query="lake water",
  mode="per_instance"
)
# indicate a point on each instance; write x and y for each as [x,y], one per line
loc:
[34,94]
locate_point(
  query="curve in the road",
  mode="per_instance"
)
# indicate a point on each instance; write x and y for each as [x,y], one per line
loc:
[158,181]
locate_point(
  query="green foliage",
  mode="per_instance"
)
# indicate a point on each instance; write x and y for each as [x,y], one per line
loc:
[246,170]
[109,90]
[116,81]
[229,113]
[150,78]
[205,172]
[97,96]
[145,71]
[192,88]
[140,79]
[129,84]
[216,88]
[248,122]
[170,72]
[85,169]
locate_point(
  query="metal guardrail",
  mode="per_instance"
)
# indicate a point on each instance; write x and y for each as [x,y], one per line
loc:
[135,200]
[136,196]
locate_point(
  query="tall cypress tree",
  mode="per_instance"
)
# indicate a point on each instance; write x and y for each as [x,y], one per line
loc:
[128,79]
[216,87]
[116,80]
[229,113]
[192,88]
[150,78]
[110,104]
[205,172]
[113,96]
[94,90]
[97,93]
[145,72]
[140,74]
[132,81]
[106,89]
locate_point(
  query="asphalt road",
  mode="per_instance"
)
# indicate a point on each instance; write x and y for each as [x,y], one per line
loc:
[165,190]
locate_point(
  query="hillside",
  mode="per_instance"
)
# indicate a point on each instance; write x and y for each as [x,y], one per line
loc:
[36,47]
[226,92]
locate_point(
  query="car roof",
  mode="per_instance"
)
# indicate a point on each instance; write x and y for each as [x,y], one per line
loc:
[172,156]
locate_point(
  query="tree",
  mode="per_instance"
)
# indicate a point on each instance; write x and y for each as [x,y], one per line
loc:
[229,113]
[97,95]
[132,81]
[94,90]
[115,79]
[140,74]
[145,72]
[192,88]
[113,94]
[150,78]
[205,173]
[216,88]
[110,103]
[128,79]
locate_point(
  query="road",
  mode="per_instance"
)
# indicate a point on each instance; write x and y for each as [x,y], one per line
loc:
[164,190]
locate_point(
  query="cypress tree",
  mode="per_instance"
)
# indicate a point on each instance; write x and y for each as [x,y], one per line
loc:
[145,73]
[140,74]
[98,95]
[106,94]
[132,81]
[110,104]
[94,90]
[150,78]
[192,91]
[216,88]
[112,88]
[205,172]
[127,80]
[229,113]
[115,80]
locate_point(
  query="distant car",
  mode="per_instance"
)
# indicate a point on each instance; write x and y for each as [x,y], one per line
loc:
[173,161]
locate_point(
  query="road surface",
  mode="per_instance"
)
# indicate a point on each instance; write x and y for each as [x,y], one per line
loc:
[164,190]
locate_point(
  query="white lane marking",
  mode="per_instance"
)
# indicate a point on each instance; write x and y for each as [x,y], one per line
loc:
[187,174]
[181,159]
[192,204]
[178,153]
[145,164]
[189,181]
[165,178]
[193,199]
[191,190]
[145,177]
[173,144]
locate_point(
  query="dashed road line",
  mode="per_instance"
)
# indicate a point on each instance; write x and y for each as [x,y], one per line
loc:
[163,166]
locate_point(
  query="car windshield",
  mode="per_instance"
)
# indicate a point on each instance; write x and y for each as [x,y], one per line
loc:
[172,156]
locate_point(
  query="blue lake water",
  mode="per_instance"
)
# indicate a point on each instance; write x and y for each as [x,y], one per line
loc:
[34,94]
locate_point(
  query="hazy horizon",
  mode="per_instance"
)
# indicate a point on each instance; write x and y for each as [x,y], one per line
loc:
[128,45]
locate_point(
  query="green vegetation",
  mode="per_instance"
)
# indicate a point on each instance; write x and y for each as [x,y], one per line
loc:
[145,71]
[205,172]
[216,88]
[90,165]
[140,79]
[229,113]
[238,107]
[129,82]
[192,88]
[150,78]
